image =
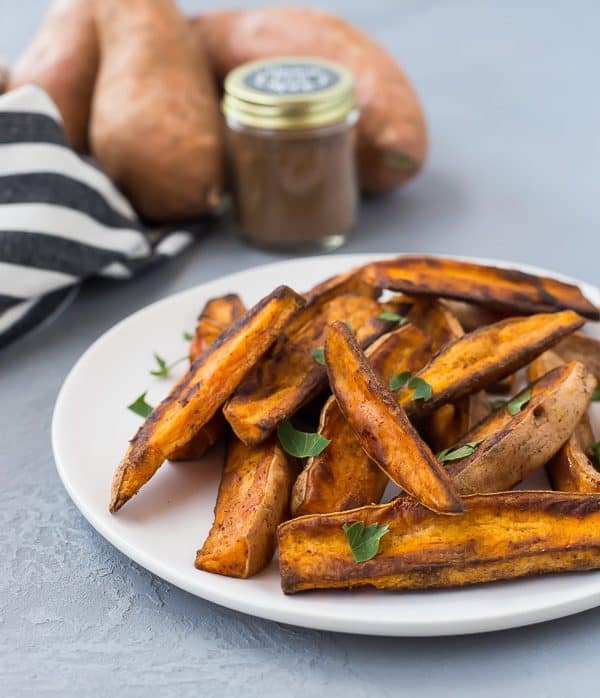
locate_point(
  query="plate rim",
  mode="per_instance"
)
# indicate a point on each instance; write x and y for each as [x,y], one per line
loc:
[491,622]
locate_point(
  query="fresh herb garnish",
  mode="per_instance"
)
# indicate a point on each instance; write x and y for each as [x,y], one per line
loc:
[163,368]
[300,444]
[596,394]
[388,316]
[449,454]
[517,404]
[594,451]
[140,406]
[497,404]
[188,336]
[318,355]
[364,541]
[422,389]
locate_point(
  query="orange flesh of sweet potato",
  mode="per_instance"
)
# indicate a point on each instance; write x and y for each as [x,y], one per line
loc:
[290,376]
[515,446]
[480,358]
[391,132]
[195,399]
[382,426]
[155,125]
[252,501]
[500,536]
[504,289]
[217,315]
[343,476]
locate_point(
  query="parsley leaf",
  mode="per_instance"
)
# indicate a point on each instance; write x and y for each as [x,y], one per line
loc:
[140,406]
[596,394]
[300,443]
[400,380]
[364,541]
[318,355]
[497,404]
[163,368]
[517,404]
[449,454]
[422,389]
[188,336]
[594,451]
[388,316]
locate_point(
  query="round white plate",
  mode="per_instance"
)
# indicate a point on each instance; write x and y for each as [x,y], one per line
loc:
[162,527]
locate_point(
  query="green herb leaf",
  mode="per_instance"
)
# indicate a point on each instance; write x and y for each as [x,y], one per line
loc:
[318,355]
[400,380]
[140,406]
[449,454]
[594,451]
[364,541]
[188,336]
[516,405]
[423,390]
[497,404]
[596,394]
[388,316]
[300,444]
[163,369]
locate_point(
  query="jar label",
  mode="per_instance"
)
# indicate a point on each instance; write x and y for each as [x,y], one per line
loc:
[291,78]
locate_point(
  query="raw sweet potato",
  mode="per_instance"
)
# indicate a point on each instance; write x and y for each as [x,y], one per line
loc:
[514,446]
[392,134]
[500,536]
[216,317]
[290,375]
[195,399]
[382,426]
[63,59]
[480,358]
[581,347]
[343,476]
[502,289]
[252,501]
[155,125]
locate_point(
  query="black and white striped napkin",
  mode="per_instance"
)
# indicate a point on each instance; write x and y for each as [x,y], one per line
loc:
[61,218]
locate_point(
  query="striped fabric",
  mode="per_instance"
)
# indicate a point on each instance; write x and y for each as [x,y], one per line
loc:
[61,218]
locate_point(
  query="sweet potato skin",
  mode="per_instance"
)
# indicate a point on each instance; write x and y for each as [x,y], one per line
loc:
[500,536]
[343,476]
[252,501]
[289,376]
[482,357]
[502,289]
[392,134]
[63,59]
[195,399]
[382,426]
[515,446]
[581,347]
[155,125]
[571,469]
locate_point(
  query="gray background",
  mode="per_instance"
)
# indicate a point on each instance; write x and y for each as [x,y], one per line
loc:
[511,92]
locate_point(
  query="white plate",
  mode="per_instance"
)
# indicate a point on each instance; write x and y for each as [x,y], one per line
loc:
[163,526]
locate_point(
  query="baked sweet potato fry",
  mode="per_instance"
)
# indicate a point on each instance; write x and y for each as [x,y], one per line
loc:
[195,399]
[513,446]
[343,476]
[502,289]
[382,426]
[581,347]
[289,376]
[500,536]
[252,501]
[480,358]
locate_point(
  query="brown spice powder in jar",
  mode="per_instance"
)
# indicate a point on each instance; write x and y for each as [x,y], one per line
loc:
[292,159]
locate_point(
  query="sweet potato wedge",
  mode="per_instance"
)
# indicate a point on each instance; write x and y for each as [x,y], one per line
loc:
[382,426]
[195,399]
[472,316]
[500,536]
[290,375]
[503,289]
[252,501]
[571,469]
[343,476]
[480,358]
[581,347]
[514,446]
[216,316]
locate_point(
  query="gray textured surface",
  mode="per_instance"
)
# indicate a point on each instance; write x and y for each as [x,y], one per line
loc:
[511,93]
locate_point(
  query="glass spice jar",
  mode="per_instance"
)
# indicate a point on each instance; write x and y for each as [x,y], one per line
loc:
[291,144]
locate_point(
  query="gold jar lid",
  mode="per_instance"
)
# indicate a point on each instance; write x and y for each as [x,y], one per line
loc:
[289,92]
